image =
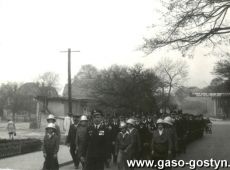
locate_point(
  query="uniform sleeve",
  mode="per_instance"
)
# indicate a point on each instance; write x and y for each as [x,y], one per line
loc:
[58,133]
[83,151]
[152,143]
[43,146]
[76,138]
[68,136]
[81,145]
[117,144]
[57,142]
[138,141]
[108,144]
[170,143]
[131,144]
[176,139]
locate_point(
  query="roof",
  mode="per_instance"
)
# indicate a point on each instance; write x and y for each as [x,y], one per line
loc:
[210,95]
[40,98]
[80,89]
[29,89]
[33,89]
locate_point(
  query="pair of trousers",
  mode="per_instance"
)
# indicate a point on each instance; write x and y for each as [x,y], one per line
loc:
[95,163]
[74,155]
[51,163]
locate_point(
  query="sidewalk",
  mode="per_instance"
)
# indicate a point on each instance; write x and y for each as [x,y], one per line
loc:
[33,161]
[71,167]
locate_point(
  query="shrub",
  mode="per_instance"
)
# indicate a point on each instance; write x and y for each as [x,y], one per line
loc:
[18,146]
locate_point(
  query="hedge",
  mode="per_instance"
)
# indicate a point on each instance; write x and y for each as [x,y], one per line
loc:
[18,146]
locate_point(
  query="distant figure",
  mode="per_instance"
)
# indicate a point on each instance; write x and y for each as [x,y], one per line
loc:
[11,129]
[68,120]
[50,148]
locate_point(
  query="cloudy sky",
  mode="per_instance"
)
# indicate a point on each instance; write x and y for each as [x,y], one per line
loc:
[33,32]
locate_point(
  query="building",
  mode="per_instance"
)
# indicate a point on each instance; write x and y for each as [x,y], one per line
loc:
[218,104]
[23,101]
[59,107]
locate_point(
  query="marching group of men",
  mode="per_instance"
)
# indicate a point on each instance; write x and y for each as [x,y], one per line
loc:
[95,141]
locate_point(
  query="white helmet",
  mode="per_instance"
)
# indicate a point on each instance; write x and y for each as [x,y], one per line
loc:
[160,121]
[131,121]
[51,117]
[122,124]
[51,125]
[168,120]
[83,117]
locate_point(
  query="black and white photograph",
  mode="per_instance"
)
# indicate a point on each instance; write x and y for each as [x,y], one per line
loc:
[114,84]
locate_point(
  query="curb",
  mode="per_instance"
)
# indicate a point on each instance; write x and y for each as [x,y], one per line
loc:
[65,163]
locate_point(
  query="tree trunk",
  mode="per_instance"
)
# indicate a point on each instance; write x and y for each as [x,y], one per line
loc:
[169,94]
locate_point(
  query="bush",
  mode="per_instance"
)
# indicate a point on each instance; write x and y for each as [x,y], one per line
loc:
[18,146]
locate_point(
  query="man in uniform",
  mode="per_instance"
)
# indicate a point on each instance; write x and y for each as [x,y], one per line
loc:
[70,140]
[97,144]
[80,141]
[145,137]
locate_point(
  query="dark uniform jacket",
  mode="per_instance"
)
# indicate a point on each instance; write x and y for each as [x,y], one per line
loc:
[123,141]
[173,135]
[71,135]
[97,142]
[50,144]
[161,144]
[135,147]
[80,141]
[58,132]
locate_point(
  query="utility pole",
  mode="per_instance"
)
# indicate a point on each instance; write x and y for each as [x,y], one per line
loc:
[69,80]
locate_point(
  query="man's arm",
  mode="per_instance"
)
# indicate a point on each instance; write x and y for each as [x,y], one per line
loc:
[43,147]
[67,141]
[56,149]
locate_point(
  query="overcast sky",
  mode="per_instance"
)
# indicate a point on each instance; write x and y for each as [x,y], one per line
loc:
[33,32]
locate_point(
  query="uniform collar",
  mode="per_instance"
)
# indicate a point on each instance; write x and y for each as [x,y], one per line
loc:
[130,130]
[97,126]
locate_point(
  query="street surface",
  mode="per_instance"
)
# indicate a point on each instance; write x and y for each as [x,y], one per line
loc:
[32,161]
[215,145]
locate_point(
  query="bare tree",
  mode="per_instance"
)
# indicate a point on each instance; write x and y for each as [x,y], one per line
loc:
[49,79]
[172,73]
[189,23]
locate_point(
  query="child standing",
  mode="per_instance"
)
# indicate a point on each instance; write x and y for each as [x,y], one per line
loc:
[11,129]
[50,148]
